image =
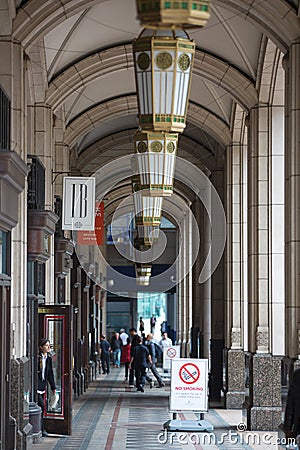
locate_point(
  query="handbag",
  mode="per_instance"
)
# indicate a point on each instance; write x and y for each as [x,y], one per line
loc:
[53,400]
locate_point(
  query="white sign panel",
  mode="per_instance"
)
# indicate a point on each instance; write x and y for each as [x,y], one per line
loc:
[169,354]
[189,379]
[79,203]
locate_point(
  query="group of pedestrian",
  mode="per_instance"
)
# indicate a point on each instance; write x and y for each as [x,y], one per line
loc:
[107,349]
[138,354]
[142,360]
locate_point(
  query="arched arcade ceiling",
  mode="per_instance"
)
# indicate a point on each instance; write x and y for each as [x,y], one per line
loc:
[84,48]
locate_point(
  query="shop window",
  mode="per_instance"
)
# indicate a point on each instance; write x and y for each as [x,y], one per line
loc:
[4,252]
[36,280]
[36,184]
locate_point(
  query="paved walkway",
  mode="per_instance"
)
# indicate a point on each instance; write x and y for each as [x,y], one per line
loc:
[111,416]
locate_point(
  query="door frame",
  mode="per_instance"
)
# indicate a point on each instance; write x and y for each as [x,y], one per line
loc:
[56,324]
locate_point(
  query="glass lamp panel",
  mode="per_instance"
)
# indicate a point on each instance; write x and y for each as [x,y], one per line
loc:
[163,78]
[145,92]
[151,166]
[143,166]
[169,169]
[138,203]
[181,93]
[143,281]
[143,72]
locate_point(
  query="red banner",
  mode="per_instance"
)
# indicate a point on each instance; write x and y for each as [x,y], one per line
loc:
[95,237]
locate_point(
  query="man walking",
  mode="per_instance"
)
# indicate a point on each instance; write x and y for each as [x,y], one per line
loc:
[152,367]
[104,354]
[139,362]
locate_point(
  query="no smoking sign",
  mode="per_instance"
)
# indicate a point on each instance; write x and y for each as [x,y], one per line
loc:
[171,352]
[189,373]
[189,384]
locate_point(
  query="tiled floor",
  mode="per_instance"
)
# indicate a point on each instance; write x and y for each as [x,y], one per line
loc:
[110,416]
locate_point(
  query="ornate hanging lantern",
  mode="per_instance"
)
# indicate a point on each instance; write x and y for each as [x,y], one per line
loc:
[147,209]
[143,273]
[147,235]
[156,154]
[147,214]
[187,13]
[163,61]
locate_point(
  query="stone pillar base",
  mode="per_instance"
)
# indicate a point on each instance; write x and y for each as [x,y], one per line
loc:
[235,390]
[262,418]
[234,400]
[262,410]
[35,420]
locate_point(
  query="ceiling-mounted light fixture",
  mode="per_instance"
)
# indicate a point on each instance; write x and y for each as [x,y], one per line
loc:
[147,234]
[156,154]
[163,59]
[187,13]
[147,209]
[143,273]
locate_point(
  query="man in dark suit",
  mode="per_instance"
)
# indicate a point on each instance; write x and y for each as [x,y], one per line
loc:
[45,375]
[139,362]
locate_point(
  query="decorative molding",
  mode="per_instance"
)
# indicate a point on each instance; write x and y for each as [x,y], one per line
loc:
[236,338]
[262,339]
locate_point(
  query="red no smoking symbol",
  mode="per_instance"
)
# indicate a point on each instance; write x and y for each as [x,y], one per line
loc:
[171,352]
[189,373]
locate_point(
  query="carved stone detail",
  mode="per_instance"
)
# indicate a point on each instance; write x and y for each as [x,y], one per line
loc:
[262,339]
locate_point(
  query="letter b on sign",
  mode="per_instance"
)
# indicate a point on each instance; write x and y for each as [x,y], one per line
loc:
[78,203]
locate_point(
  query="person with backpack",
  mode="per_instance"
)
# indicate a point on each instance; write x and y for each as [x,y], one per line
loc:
[134,342]
[155,352]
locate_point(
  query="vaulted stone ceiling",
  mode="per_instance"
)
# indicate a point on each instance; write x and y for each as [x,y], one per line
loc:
[85,53]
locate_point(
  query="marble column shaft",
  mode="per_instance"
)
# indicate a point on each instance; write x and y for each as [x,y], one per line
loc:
[258,231]
[263,406]
[184,288]
[292,200]
[235,286]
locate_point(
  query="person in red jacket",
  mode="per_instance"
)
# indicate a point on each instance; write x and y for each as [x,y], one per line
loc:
[125,357]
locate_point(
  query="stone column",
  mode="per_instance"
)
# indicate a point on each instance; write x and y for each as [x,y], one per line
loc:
[292,199]
[13,81]
[43,149]
[189,280]
[206,286]
[183,288]
[179,299]
[217,301]
[263,405]
[234,338]
[196,289]
[182,310]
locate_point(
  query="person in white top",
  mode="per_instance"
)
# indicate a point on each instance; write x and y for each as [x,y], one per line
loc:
[123,336]
[165,341]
